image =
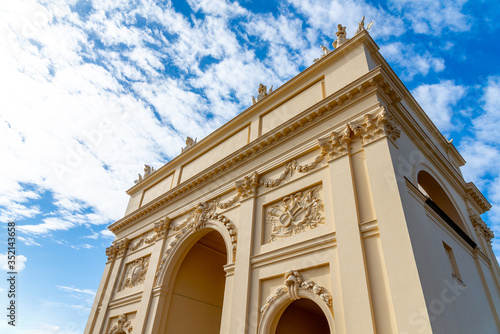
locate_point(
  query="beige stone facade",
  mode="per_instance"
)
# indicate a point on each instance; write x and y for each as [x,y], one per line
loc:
[331,205]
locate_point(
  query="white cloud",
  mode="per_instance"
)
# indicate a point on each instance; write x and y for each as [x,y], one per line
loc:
[487,124]
[107,234]
[77,290]
[431,16]
[28,241]
[325,15]
[438,101]
[411,61]
[20,262]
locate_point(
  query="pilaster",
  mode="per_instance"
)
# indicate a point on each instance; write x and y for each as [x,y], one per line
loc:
[161,231]
[115,253]
[401,267]
[247,189]
[353,277]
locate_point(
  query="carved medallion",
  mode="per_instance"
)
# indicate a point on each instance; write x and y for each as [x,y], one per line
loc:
[295,213]
[135,273]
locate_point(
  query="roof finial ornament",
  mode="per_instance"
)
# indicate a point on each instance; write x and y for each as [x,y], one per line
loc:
[341,37]
[189,143]
[361,25]
[262,93]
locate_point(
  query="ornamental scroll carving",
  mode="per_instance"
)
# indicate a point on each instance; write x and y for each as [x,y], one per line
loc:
[295,213]
[135,272]
[293,283]
[122,327]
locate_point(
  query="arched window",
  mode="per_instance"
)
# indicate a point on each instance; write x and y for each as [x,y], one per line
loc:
[431,188]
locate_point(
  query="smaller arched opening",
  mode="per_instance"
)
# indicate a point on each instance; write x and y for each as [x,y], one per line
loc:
[303,316]
[309,313]
[432,189]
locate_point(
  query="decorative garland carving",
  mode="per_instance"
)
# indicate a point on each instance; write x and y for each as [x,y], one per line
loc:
[160,230]
[295,213]
[135,273]
[248,186]
[482,229]
[122,327]
[294,282]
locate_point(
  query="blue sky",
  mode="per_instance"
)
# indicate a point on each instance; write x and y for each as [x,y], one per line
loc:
[92,90]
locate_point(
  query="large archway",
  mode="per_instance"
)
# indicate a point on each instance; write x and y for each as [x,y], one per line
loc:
[198,291]
[303,316]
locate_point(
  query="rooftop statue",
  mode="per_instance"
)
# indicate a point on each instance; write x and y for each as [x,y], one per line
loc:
[148,170]
[262,93]
[341,37]
[361,25]
[189,143]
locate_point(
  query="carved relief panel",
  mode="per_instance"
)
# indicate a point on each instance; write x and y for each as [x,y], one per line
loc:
[121,324]
[293,214]
[135,272]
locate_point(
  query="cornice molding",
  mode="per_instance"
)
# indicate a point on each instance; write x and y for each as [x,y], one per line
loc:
[477,197]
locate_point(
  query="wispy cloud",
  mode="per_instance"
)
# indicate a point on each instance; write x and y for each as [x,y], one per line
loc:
[439,101]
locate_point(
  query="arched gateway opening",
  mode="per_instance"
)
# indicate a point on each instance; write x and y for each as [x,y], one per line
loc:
[303,316]
[198,290]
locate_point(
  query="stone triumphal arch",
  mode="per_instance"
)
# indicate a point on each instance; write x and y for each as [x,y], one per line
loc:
[331,205]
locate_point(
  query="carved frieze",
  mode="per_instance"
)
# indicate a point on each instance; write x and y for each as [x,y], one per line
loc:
[292,284]
[122,326]
[295,213]
[135,272]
